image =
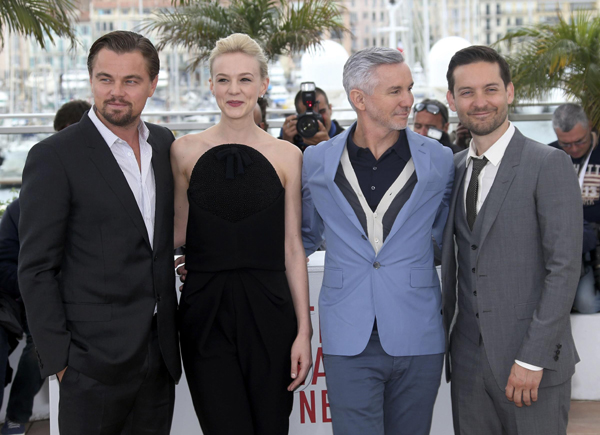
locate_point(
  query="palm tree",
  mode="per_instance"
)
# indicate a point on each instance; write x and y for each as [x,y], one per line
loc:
[279,26]
[39,19]
[565,55]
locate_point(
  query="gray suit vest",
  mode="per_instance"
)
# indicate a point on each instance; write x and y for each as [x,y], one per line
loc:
[467,321]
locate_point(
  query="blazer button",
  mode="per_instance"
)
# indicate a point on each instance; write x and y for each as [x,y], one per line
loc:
[473,247]
[475,293]
[558,346]
[555,357]
[363,237]
[473,270]
[155,257]
[158,298]
[557,352]
[477,315]
[376,265]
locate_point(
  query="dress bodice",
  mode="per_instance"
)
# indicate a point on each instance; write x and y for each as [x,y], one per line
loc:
[236,214]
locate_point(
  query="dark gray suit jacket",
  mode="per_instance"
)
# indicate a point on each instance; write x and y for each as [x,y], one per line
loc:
[87,272]
[528,261]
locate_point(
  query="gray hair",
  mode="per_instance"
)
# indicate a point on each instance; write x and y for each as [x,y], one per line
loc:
[359,67]
[567,116]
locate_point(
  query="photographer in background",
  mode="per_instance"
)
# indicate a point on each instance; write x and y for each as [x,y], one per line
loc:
[463,137]
[325,127]
[260,113]
[577,138]
[431,120]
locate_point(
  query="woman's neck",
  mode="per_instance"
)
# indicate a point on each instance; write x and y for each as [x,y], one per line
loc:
[241,130]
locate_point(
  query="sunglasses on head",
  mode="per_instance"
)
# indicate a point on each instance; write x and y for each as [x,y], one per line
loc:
[430,108]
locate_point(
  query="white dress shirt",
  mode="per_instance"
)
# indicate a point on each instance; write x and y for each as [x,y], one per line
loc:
[140,178]
[488,174]
[486,179]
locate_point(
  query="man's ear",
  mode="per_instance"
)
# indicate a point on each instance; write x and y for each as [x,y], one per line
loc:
[358,99]
[510,90]
[451,102]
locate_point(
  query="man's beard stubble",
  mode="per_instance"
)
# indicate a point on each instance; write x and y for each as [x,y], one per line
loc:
[486,127]
[121,118]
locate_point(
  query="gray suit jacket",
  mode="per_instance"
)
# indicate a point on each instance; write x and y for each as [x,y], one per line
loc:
[528,261]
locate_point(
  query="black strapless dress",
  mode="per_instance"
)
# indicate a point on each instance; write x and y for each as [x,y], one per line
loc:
[237,315]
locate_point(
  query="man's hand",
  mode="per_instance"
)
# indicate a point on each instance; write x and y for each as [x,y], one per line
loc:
[180,269]
[322,135]
[289,129]
[60,374]
[463,136]
[522,386]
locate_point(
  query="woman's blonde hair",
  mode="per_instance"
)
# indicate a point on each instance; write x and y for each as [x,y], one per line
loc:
[240,43]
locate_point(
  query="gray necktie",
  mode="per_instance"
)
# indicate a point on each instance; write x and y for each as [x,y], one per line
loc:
[478,165]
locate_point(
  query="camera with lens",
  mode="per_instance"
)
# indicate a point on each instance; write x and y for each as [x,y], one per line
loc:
[308,122]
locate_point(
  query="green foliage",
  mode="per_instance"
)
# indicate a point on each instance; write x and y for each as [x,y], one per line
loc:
[565,55]
[38,19]
[280,27]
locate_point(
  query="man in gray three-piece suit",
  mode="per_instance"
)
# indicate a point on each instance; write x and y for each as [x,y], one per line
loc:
[515,216]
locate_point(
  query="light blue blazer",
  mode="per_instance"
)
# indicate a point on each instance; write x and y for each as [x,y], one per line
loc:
[399,286]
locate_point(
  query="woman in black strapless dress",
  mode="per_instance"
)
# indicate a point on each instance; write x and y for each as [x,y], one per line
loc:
[244,307]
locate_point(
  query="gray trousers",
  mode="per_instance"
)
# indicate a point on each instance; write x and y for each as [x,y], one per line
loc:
[374,393]
[479,405]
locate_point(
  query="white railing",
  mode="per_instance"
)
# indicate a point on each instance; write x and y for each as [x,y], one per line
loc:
[27,129]
[42,122]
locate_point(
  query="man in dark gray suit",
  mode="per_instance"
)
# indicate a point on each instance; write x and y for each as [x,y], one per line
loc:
[96,260]
[515,216]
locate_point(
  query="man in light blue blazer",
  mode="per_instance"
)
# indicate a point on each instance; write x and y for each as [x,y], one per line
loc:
[378,195]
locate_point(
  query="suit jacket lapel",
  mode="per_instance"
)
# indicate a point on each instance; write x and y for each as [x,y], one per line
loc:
[460,168]
[422,162]
[109,169]
[504,177]
[331,163]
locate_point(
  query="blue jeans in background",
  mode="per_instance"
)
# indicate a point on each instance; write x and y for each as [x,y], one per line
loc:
[26,382]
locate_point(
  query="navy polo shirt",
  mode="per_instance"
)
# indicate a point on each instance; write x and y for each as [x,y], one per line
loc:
[376,176]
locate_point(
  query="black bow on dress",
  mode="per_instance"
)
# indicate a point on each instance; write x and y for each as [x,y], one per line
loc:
[231,154]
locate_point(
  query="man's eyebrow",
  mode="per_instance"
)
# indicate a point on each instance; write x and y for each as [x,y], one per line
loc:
[487,85]
[127,77]
[394,88]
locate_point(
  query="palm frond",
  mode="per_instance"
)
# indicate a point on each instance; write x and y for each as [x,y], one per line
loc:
[205,22]
[38,19]
[279,26]
[564,56]
[293,35]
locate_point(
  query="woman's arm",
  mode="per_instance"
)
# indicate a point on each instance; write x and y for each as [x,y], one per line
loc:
[295,264]
[179,156]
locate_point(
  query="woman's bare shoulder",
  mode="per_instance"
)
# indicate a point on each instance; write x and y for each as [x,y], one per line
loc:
[184,143]
[282,149]
[285,157]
